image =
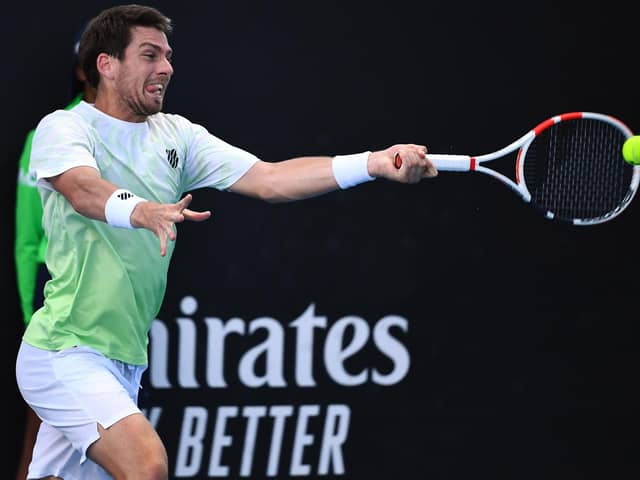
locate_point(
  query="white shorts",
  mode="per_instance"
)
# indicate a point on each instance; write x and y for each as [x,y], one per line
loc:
[73,390]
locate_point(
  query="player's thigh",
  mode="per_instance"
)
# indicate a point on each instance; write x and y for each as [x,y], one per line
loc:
[131,448]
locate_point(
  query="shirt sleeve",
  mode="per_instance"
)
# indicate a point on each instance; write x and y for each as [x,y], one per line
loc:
[62,141]
[212,162]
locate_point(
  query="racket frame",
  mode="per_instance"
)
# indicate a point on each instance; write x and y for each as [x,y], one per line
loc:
[466,163]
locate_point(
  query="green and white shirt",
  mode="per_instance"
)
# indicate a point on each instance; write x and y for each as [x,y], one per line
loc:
[108,283]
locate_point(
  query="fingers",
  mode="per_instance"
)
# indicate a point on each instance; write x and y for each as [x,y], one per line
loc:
[412,163]
[185,201]
[163,245]
[161,219]
[179,207]
[165,234]
[430,170]
[174,214]
[420,150]
[399,151]
[188,214]
[195,216]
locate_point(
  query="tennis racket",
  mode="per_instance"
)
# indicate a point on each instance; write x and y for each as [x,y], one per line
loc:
[569,167]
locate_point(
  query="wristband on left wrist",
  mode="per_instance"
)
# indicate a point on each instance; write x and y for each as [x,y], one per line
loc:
[119,206]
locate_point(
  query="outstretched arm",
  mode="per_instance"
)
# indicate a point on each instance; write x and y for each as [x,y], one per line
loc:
[306,177]
[89,194]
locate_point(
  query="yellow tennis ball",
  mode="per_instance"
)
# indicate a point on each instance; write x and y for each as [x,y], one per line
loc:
[631,150]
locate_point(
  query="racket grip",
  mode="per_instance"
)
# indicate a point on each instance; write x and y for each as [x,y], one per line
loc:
[450,163]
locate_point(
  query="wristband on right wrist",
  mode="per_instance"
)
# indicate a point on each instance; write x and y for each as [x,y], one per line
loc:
[351,170]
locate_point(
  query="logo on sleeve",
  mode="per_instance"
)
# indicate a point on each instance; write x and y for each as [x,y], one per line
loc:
[172,157]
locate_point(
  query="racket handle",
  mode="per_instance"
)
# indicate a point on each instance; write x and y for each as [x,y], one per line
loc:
[448,163]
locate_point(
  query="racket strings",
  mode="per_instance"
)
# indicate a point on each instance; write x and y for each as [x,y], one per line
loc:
[575,170]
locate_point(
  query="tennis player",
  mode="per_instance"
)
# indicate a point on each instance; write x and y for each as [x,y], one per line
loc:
[112,177]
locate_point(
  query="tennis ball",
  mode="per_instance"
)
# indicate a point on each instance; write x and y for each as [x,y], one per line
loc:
[631,150]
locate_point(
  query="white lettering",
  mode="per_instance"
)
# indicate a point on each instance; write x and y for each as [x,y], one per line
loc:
[279,413]
[273,350]
[217,333]
[316,444]
[304,326]
[302,439]
[190,448]
[333,438]
[263,364]
[159,357]
[221,440]
[187,353]
[253,415]
[335,355]
[392,348]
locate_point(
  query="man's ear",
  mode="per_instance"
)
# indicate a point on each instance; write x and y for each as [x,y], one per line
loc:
[106,65]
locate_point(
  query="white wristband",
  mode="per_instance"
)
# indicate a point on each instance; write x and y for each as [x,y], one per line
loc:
[120,204]
[351,170]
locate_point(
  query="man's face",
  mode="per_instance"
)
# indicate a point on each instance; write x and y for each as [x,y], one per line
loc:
[145,71]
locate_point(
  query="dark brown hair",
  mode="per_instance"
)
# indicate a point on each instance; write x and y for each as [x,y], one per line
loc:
[110,32]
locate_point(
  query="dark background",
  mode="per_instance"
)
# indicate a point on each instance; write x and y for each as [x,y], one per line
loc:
[522,336]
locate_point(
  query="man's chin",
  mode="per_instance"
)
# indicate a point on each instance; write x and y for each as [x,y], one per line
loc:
[154,108]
